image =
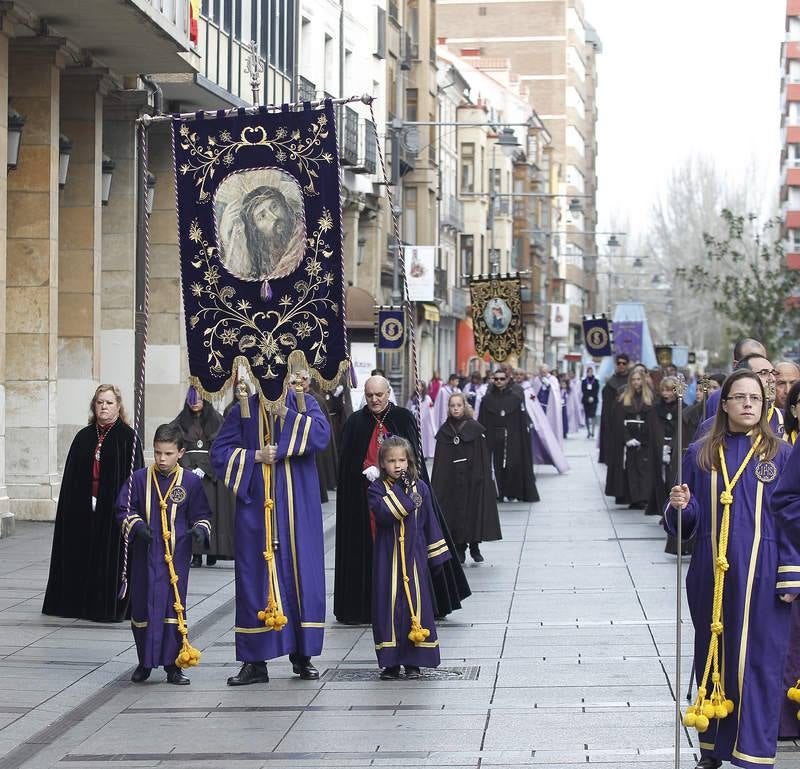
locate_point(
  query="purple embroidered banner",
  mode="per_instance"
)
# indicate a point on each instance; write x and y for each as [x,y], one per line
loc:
[261,247]
[628,338]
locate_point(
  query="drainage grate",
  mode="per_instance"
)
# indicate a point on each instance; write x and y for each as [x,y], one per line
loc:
[463,673]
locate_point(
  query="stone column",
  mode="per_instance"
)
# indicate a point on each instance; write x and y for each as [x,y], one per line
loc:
[121,108]
[32,281]
[6,517]
[79,262]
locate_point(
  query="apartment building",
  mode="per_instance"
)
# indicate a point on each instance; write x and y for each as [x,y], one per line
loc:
[790,132]
[552,50]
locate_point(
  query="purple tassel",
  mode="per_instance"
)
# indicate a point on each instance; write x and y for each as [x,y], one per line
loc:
[192,396]
[266,291]
[353,379]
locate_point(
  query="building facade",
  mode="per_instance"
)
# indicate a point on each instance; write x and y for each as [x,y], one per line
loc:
[790,132]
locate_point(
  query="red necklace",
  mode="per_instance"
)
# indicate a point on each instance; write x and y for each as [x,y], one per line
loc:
[101,436]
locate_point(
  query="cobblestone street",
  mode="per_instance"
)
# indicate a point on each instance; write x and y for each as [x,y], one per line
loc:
[563,656]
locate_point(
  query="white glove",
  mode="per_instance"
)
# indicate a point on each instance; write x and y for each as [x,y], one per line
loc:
[199,473]
[94,503]
[371,473]
[666,454]
[338,391]
[633,443]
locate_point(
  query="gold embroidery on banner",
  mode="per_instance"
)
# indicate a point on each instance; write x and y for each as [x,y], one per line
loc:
[507,290]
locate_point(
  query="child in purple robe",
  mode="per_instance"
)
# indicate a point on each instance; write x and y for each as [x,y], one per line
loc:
[408,542]
[160,554]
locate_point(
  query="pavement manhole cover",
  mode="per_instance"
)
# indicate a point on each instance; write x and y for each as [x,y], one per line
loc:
[463,673]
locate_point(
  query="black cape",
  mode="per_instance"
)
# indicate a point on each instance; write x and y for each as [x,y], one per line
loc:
[665,433]
[590,393]
[630,469]
[608,397]
[327,460]
[204,428]
[86,559]
[508,436]
[462,482]
[352,591]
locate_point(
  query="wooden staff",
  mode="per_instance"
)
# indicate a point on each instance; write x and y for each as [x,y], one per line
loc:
[680,391]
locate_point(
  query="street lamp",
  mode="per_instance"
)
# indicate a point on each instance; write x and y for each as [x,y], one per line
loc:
[64,151]
[15,124]
[613,242]
[108,173]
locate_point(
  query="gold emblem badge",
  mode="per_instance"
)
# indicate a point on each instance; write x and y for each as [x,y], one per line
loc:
[766,472]
[177,495]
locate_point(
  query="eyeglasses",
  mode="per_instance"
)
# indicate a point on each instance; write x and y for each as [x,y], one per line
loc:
[765,372]
[498,379]
[741,398]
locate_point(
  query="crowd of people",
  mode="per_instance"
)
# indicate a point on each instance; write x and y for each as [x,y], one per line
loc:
[248,484]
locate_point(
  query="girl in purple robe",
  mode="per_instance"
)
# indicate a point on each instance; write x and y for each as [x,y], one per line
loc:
[163,493]
[408,542]
[744,573]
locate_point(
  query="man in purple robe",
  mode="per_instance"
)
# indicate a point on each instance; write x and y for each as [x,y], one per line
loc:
[267,460]
[155,623]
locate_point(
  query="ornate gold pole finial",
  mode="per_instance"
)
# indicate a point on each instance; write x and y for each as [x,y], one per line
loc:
[243,396]
[253,66]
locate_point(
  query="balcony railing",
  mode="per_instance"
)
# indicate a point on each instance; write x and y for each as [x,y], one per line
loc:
[306,90]
[347,120]
[440,286]
[453,212]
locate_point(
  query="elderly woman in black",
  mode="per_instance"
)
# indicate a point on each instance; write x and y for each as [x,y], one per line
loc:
[87,555]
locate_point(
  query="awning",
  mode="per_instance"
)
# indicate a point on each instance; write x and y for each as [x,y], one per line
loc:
[360,308]
[431,312]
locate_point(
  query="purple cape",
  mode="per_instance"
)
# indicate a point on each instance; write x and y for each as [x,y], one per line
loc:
[764,564]
[545,445]
[424,547]
[300,556]
[153,617]
[550,399]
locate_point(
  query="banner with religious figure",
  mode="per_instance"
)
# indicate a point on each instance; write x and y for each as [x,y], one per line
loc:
[628,338]
[390,328]
[496,316]
[664,355]
[261,247]
[420,262]
[597,336]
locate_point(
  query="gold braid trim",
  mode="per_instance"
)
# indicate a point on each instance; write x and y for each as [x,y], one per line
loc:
[717,705]
[417,634]
[188,655]
[272,614]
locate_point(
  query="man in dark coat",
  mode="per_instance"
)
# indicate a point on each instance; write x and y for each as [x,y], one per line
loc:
[613,387]
[590,395]
[503,414]
[363,432]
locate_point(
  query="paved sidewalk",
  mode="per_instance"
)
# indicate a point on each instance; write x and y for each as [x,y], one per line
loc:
[563,656]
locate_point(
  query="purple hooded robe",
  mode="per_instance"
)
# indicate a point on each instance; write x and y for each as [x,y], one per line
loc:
[546,448]
[764,564]
[424,548]
[300,556]
[153,619]
[549,395]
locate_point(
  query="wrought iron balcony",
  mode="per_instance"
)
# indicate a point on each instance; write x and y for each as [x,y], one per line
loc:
[306,90]
[347,119]
[453,212]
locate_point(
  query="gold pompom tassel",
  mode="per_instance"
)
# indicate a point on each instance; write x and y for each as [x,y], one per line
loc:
[243,396]
[793,693]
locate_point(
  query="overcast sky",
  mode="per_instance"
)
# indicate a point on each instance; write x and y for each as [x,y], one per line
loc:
[683,78]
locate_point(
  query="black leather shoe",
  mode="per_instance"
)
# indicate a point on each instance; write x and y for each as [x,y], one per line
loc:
[175,676]
[197,560]
[250,673]
[391,673]
[708,763]
[475,553]
[301,666]
[211,560]
[140,674]
[412,671]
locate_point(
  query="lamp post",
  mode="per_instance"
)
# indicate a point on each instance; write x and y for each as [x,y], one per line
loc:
[64,151]
[16,122]
[107,175]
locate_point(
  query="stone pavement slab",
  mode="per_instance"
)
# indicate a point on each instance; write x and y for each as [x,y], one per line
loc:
[568,642]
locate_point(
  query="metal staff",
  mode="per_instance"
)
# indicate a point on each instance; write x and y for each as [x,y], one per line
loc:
[704,383]
[680,390]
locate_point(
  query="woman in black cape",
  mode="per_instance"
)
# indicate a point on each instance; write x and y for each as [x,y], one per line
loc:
[352,595]
[462,480]
[86,559]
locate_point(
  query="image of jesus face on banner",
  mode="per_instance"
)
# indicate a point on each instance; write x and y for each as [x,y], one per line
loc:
[497,315]
[260,222]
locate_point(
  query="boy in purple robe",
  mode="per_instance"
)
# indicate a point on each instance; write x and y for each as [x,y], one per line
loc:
[267,460]
[408,542]
[730,505]
[163,492]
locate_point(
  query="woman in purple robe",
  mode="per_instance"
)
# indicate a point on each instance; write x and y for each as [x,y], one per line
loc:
[408,542]
[743,554]
[426,419]
[280,600]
